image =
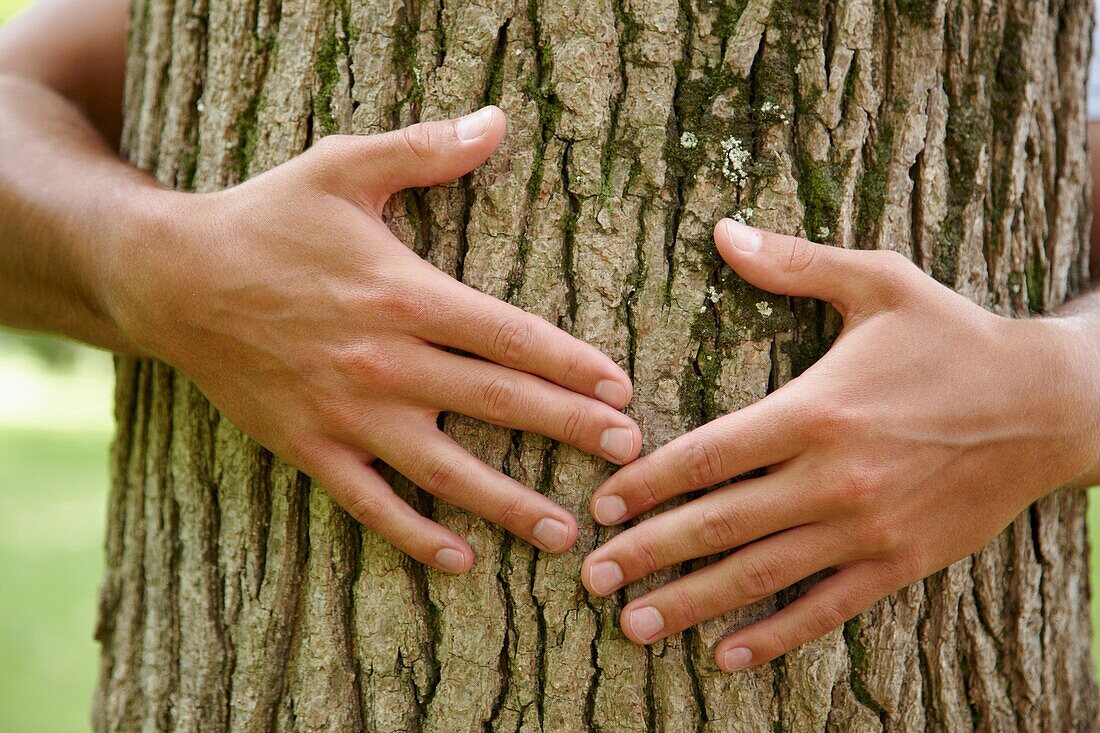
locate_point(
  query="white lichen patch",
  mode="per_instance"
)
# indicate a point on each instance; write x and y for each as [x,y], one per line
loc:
[743,216]
[774,111]
[735,161]
[688,140]
[824,233]
[711,295]
[764,307]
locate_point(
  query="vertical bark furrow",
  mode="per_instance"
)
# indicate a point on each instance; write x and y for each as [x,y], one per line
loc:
[240,597]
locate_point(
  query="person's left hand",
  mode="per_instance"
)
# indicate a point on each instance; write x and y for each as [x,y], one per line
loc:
[928,426]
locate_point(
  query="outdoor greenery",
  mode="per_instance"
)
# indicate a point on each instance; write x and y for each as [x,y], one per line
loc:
[54,434]
[8,8]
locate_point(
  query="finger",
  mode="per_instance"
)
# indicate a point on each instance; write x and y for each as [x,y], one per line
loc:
[423,154]
[754,437]
[849,279]
[366,496]
[482,325]
[823,608]
[440,466]
[518,400]
[748,575]
[722,520]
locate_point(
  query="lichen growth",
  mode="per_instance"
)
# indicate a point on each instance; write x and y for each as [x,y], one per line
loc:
[736,161]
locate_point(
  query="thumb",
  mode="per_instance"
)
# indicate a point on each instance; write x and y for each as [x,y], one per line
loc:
[849,279]
[424,154]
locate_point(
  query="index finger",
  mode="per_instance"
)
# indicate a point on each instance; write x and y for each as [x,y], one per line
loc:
[480,324]
[756,436]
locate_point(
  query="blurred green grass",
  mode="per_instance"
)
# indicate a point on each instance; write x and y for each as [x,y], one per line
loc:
[9,8]
[53,486]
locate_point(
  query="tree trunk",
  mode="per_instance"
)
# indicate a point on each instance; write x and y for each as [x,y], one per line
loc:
[240,597]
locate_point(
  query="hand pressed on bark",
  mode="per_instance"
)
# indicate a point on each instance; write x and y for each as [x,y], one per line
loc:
[298,313]
[927,427]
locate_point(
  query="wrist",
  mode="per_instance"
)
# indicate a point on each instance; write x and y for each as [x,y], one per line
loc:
[1071,358]
[136,282]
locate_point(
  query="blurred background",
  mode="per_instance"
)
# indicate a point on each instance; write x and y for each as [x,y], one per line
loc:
[55,430]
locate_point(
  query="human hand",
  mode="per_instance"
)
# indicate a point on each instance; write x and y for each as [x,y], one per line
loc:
[289,302]
[927,427]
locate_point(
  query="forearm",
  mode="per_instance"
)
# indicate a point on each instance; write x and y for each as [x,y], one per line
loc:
[67,202]
[1081,317]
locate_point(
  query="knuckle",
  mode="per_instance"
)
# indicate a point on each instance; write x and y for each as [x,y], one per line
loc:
[441,478]
[893,273]
[861,489]
[908,568]
[646,556]
[369,366]
[367,509]
[704,462]
[718,530]
[881,534]
[687,606]
[395,302]
[511,341]
[419,140]
[501,397]
[755,579]
[573,363]
[892,260]
[826,421]
[802,256]
[573,427]
[326,158]
[826,616]
[329,146]
[649,496]
[778,642]
[511,511]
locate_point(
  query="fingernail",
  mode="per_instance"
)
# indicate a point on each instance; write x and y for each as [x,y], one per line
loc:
[605,577]
[551,534]
[611,392]
[473,126]
[736,658]
[617,443]
[609,509]
[451,560]
[646,622]
[744,238]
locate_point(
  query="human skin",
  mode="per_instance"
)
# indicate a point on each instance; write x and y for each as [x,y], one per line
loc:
[311,327]
[928,426]
[903,470]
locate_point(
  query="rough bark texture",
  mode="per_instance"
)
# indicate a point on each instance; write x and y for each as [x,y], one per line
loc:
[239,597]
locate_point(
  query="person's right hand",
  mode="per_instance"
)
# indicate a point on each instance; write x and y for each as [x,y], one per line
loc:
[292,306]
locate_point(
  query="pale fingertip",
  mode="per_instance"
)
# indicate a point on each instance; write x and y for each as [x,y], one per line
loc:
[475,124]
[733,234]
[617,443]
[552,534]
[451,560]
[612,392]
[734,659]
[645,623]
[609,510]
[604,576]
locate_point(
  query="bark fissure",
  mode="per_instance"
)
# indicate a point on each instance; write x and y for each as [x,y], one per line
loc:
[239,597]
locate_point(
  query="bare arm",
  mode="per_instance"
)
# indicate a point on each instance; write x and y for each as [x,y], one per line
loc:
[61,79]
[311,327]
[1094,169]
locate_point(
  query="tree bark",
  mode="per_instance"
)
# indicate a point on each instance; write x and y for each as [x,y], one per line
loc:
[239,597]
